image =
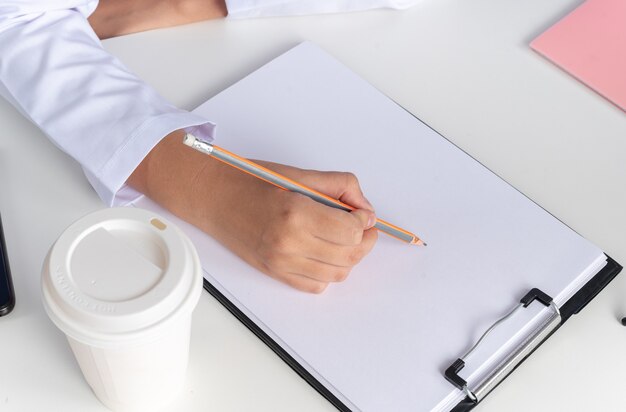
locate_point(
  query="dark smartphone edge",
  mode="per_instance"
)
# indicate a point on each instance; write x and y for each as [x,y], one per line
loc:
[6,307]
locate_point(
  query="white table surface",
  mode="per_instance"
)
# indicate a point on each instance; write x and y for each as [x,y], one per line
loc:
[464,68]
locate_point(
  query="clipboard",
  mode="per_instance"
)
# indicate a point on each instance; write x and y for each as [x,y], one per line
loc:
[515,359]
[308,94]
[572,307]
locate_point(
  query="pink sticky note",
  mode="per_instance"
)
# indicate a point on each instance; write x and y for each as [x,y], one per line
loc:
[590,44]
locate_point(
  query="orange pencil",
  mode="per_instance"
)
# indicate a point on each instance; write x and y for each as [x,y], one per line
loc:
[285,183]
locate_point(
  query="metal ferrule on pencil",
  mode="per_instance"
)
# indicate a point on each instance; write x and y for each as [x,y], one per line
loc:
[199,145]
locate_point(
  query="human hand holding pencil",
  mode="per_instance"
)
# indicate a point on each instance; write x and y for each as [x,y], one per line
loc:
[285,183]
[309,245]
[285,235]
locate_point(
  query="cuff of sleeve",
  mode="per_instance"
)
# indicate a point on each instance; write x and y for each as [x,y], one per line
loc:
[241,9]
[110,181]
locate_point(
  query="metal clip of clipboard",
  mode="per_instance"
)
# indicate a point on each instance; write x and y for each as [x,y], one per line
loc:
[515,357]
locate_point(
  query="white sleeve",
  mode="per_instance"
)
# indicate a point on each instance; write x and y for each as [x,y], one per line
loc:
[239,9]
[54,70]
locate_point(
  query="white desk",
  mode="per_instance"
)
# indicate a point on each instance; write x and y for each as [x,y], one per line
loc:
[462,67]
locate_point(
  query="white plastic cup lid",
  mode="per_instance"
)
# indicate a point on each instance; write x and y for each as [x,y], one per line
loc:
[115,275]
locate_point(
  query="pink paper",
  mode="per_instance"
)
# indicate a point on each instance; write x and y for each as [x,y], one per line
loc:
[590,44]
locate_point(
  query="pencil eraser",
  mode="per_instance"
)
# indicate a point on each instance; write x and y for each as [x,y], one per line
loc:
[189,139]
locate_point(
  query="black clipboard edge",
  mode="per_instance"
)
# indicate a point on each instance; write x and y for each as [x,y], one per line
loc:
[595,285]
[573,306]
[265,338]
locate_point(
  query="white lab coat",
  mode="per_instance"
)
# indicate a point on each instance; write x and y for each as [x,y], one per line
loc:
[54,70]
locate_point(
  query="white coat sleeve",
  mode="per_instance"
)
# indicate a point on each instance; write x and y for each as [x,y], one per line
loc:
[239,9]
[54,70]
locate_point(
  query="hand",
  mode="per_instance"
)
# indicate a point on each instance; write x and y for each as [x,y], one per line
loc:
[283,234]
[118,17]
[298,240]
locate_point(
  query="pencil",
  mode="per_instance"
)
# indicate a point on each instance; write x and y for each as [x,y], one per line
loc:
[285,183]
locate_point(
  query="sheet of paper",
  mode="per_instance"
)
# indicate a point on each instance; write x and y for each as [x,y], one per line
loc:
[381,339]
[590,44]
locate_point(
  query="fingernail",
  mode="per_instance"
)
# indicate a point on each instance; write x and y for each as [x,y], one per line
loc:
[371,221]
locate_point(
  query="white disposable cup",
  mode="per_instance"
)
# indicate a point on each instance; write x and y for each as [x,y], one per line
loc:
[121,284]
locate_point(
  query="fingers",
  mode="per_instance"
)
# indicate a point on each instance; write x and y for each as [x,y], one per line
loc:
[299,282]
[334,225]
[321,260]
[294,239]
[366,218]
[312,276]
[342,255]
[313,245]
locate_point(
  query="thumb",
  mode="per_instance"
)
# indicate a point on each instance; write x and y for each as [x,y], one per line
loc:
[338,185]
[366,217]
[351,193]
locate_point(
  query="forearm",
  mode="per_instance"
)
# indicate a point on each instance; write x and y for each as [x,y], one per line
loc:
[118,17]
[170,175]
[201,190]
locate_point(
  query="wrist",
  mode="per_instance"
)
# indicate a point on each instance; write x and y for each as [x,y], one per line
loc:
[191,185]
[167,172]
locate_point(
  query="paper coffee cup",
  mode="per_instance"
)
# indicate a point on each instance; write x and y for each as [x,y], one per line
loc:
[121,284]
